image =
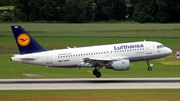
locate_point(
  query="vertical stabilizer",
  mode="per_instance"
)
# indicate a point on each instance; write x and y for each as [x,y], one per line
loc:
[26,43]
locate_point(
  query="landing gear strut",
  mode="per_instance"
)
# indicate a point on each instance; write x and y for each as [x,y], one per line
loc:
[149,65]
[96,72]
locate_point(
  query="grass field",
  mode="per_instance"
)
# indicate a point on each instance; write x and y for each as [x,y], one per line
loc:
[55,36]
[92,95]
[96,30]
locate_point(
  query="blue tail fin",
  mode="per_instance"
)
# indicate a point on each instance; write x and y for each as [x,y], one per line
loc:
[26,43]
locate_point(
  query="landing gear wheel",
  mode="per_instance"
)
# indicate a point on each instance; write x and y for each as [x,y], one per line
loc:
[98,75]
[95,71]
[149,68]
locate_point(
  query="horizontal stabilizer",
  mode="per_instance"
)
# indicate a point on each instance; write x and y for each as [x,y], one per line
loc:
[24,57]
[27,58]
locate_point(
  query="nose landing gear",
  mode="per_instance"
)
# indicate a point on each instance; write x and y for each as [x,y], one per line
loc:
[149,65]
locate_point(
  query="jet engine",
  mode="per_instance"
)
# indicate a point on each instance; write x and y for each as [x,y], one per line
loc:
[119,65]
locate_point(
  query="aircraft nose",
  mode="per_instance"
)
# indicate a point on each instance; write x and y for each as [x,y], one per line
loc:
[168,51]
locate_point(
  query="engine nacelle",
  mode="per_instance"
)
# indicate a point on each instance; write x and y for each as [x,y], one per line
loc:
[119,65]
[83,64]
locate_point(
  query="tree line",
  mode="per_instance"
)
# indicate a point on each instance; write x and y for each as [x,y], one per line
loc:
[78,11]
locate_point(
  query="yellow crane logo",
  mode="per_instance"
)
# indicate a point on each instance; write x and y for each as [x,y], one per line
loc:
[23,39]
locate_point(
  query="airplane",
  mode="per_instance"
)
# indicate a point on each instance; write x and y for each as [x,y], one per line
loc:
[112,56]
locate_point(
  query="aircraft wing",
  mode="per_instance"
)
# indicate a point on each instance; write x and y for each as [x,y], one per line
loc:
[102,61]
[106,59]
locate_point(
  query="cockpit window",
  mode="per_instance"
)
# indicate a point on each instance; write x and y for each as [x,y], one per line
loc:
[160,46]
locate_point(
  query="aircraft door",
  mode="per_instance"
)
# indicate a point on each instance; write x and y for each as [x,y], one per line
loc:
[148,48]
[49,58]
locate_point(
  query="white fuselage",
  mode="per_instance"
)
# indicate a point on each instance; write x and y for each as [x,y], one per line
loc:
[74,57]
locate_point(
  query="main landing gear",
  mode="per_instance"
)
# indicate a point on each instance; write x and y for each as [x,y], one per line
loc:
[97,72]
[149,65]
